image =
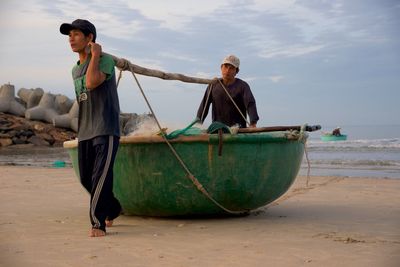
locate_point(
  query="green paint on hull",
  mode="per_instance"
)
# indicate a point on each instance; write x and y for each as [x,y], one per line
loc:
[253,170]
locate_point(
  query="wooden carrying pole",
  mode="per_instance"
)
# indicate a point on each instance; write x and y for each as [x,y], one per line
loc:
[124,64]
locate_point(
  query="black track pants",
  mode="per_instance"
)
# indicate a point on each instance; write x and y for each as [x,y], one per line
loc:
[96,160]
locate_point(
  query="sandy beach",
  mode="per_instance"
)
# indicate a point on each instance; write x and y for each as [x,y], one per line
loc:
[334,222]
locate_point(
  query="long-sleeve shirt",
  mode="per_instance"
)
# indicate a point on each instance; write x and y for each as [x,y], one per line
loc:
[223,110]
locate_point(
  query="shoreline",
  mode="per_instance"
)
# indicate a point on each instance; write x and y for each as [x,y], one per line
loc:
[335,221]
[48,157]
[65,162]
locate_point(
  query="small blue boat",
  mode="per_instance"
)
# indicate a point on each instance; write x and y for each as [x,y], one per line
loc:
[331,137]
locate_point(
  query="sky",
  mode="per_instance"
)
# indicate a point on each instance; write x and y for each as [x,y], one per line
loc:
[327,62]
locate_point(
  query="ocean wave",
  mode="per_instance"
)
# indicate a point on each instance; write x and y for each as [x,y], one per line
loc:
[356,163]
[361,144]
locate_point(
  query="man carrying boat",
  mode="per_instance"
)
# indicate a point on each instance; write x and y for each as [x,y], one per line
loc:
[98,122]
[231,98]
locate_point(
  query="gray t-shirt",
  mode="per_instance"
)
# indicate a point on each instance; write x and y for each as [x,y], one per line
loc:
[98,108]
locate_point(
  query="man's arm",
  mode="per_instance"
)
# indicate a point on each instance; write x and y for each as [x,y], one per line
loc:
[94,77]
[251,106]
[204,105]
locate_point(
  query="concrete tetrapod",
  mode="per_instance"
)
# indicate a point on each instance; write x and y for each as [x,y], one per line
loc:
[68,120]
[45,111]
[31,96]
[8,103]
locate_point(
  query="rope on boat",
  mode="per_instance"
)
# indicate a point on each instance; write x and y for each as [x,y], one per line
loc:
[119,77]
[303,139]
[194,180]
[233,101]
[308,164]
[229,96]
[123,64]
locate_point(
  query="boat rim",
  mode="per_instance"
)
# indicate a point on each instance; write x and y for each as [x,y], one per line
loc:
[206,138]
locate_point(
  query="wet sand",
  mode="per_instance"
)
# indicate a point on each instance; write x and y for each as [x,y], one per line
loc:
[334,222]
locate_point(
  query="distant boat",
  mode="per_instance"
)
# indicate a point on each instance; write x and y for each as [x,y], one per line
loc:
[331,137]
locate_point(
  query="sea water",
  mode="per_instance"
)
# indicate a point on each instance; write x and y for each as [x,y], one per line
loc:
[36,156]
[369,151]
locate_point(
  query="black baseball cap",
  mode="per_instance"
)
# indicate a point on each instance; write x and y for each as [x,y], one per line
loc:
[80,24]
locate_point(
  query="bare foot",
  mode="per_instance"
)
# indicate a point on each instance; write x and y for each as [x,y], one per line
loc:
[109,223]
[96,233]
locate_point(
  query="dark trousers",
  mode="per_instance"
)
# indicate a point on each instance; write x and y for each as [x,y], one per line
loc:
[96,160]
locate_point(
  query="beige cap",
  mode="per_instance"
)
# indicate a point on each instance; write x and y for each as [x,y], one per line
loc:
[231,59]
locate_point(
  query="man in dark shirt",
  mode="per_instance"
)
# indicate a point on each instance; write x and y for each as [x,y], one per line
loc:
[223,108]
[336,131]
[98,130]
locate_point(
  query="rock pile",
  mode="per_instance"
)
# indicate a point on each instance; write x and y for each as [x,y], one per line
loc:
[41,118]
[16,130]
[35,104]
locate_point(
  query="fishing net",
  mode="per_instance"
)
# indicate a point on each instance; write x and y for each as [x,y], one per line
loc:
[187,131]
[216,125]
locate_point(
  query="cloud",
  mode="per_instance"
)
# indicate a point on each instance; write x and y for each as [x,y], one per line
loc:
[175,14]
[113,20]
[177,56]
[310,20]
[299,28]
[272,78]
[205,75]
[276,78]
[289,51]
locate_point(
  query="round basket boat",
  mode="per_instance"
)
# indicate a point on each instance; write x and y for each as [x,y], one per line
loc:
[240,172]
[331,137]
